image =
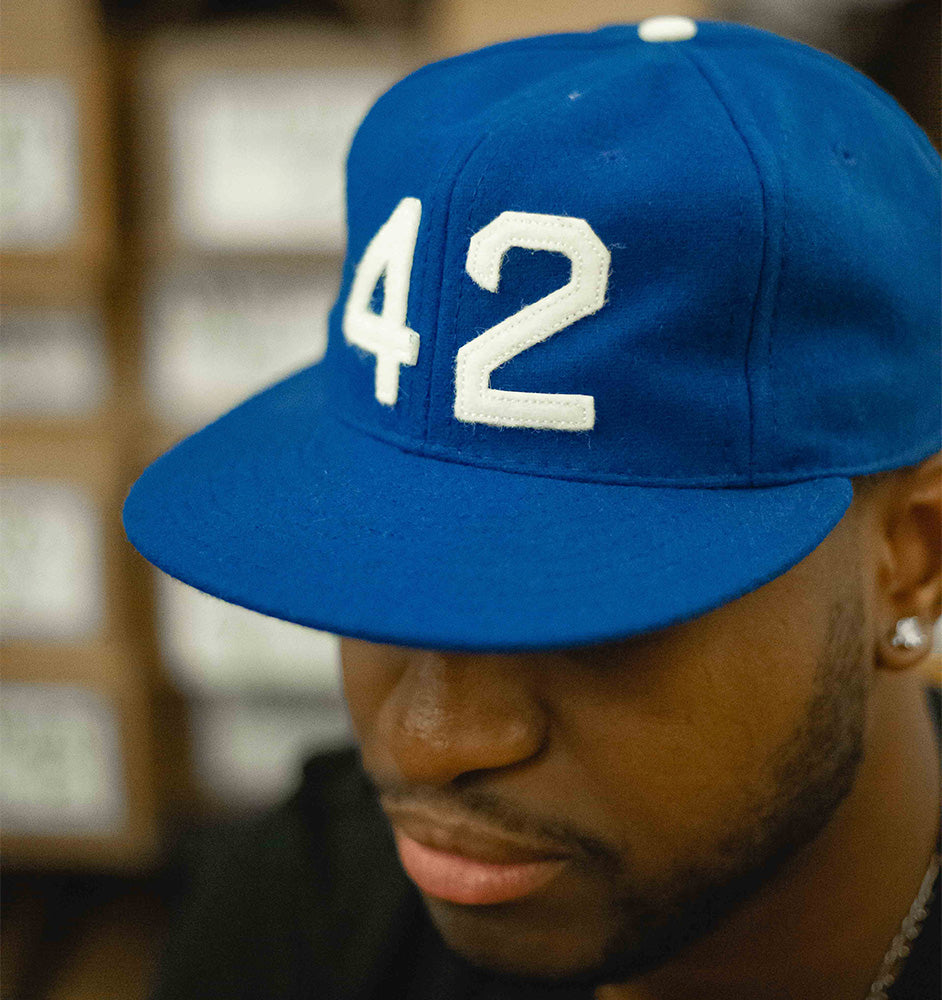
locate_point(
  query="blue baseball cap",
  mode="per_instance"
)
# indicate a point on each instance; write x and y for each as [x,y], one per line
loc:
[622,312]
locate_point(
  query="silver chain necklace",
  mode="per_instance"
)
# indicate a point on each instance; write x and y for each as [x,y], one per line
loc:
[898,952]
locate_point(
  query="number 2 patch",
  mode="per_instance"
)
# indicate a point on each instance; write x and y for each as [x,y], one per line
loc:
[385,334]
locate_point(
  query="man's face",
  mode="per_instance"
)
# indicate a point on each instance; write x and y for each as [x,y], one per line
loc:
[671,774]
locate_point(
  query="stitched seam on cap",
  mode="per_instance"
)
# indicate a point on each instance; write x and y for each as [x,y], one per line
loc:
[423,284]
[511,122]
[506,126]
[764,265]
[442,453]
[839,69]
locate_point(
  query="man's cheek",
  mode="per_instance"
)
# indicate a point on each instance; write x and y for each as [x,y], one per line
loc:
[365,689]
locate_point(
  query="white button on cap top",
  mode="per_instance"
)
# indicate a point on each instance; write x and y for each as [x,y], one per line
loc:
[667,29]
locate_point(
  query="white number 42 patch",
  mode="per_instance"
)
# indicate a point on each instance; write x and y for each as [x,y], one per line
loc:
[385,334]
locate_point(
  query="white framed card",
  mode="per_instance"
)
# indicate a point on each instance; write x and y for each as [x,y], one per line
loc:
[39,163]
[61,767]
[215,648]
[53,362]
[51,561]
[216,335]
[250,752]
[256,158]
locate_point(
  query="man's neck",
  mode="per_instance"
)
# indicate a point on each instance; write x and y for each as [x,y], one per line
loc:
[820,928]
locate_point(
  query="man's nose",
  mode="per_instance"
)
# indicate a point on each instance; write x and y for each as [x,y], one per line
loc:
[452,714]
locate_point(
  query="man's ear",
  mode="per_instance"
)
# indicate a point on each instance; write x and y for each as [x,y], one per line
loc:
[908,523]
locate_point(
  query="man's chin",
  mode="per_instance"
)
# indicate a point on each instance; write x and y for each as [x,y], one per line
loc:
[519,974]
[546,957]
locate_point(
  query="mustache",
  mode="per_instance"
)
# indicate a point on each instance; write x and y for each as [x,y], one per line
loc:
[496,812]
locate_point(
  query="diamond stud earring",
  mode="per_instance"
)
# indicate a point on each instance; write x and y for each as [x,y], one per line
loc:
[909,634]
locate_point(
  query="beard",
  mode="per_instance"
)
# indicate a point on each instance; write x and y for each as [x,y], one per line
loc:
[810,774]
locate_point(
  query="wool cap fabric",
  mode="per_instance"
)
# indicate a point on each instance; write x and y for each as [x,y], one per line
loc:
[622,312]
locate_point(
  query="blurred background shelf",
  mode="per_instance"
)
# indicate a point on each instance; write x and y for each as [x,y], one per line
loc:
[171,240]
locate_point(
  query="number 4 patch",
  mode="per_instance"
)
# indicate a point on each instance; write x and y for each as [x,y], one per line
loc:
[389,256]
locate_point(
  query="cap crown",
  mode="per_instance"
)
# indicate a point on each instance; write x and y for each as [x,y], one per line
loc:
[713,261]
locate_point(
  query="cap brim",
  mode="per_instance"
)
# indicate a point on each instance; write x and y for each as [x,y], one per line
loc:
[281,508]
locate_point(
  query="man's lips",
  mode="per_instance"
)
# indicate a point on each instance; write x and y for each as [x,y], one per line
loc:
[460,879]
[461,861]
